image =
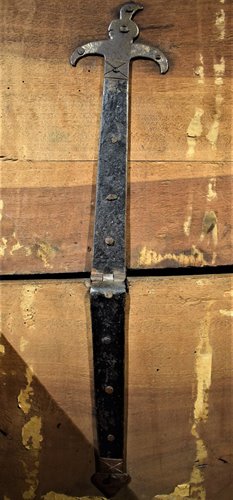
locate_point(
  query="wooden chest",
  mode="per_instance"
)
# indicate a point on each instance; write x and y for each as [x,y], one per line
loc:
[179,247]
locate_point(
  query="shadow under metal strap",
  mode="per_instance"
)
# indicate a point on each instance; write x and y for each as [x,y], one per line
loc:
[108,276]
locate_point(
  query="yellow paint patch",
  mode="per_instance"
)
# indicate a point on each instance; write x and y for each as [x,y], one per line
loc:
[25,395]
[220,24]
[27,305]
[194,131]
[150,257]
[3,246]
[45,252]
[189,213]
[219,70]
[201,406]
[2,349]
[228,293]
[31,434]
[212,136]
[1,209]
[210,230]
[195,487]
[211,193]
[187,225]
[59,496]
[226,312]
[31,480]
[180,491]
[17,246]
[199,71]
[23,344]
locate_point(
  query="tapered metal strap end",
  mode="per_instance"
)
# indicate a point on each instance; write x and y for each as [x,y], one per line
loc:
[110,476]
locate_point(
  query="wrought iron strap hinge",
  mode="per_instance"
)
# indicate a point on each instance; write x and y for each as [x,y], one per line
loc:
[108,277]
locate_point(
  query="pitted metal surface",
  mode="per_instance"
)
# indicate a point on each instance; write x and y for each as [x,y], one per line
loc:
[108,278]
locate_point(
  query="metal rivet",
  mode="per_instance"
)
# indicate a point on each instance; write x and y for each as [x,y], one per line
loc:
[111,197]
[124,29]
[114,139]
[108,389]
[111,438]
[81,51]
[106,340]
[129,9]
[108,294]
[109,241]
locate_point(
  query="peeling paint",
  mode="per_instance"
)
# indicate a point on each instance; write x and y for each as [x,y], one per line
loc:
[187,225]
[149,257]
[189,213]
[2,349]
[226,312]
[27,305]
[228,293]
[3,246]
[194,131]
[180,491]
[219,70]
[212,136]
[17,246]
[220,24]
[25,395]
[45,252]
[210,227]
[1,209]
[212,193]
[31,434]
[31,480]
[59,496]
[195,488]
[23,344]
[201,406]
[199,71]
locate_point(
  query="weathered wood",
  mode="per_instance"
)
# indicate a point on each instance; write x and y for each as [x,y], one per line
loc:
[179,376]
[179,215]
[51,111]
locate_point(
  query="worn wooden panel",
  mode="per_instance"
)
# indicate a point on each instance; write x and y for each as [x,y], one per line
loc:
[180,134]
[179,372]
[179,214]
[51,111]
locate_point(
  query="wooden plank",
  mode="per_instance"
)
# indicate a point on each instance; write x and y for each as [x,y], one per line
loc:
[179,215]
[179,378]
[51,111]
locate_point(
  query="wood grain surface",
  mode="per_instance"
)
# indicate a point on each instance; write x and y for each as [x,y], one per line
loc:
[180,193]
[179,389]
[178,215]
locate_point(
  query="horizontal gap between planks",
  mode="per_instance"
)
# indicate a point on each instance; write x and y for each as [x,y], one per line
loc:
[131,273]
[6,159]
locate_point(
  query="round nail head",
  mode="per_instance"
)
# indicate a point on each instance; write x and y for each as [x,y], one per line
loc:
[108,389]
[106,340]
[111,197]
[109,241]
[81,51]
[111,438]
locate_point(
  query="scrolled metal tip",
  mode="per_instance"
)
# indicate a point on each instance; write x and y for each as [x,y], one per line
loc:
[129,9]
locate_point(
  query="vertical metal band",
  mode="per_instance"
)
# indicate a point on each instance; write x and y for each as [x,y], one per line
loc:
[110,213]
